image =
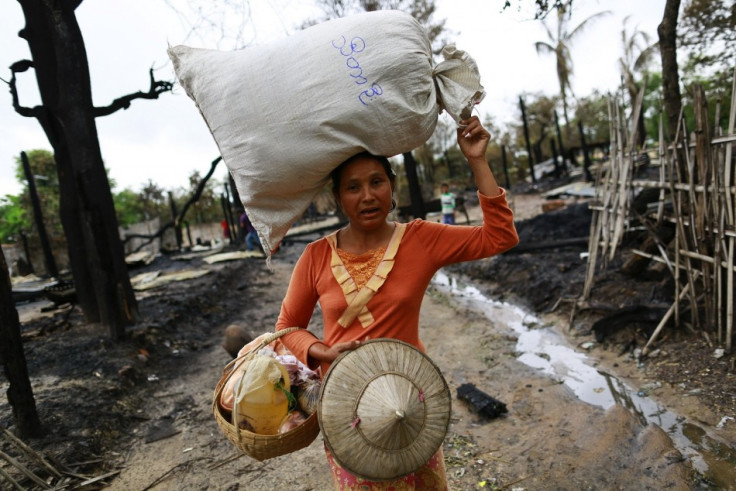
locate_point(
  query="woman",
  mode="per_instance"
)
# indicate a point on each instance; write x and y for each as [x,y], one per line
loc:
[370,276]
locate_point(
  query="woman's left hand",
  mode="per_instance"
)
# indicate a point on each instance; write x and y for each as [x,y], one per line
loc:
[473,138]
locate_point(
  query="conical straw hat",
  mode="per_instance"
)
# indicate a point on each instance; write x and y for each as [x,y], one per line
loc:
[384,409]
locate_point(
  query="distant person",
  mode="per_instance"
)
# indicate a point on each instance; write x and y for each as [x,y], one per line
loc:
[251,236]
[225,229]
[447,200]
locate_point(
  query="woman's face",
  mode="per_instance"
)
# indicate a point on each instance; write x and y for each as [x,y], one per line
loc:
[365,193]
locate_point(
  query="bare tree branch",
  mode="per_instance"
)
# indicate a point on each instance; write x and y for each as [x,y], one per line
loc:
[72,4]
[198,193]
[180,218]
[19,67]
[156,88]
[542,7]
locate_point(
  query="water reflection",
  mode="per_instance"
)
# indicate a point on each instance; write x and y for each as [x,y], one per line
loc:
[545,349]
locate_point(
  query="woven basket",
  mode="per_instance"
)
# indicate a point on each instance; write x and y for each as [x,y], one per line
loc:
[262,447]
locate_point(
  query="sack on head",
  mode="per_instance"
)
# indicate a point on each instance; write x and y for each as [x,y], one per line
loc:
[284,115]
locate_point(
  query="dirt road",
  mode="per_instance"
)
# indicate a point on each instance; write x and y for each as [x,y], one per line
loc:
[140,410]
[547,440]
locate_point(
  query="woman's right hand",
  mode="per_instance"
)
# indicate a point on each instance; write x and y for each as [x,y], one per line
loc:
[323,353]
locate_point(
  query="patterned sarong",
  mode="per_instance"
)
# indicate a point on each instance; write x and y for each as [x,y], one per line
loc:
[431,477]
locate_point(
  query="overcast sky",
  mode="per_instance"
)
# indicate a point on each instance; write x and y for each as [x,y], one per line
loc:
[166,139]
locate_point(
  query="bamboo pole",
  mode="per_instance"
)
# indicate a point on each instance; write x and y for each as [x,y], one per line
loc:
[10,479]
[664,320]
[662,175]
[35,456]
[23,469]
[729,205]
[696,174]
[729,296]
[727,179]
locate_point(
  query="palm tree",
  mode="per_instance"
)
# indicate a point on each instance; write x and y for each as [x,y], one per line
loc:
[559,44]
[637,54]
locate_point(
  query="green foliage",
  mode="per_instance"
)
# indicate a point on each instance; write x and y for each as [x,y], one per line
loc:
[540,117]
[43,167]
[717,87]
[707,32]
[128,208]
[592,111]
[153,201]
[13,219]
[45,177]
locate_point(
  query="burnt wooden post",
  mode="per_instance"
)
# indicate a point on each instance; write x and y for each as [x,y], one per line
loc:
[586,156]
[526,138]
[174,215]
[558,169]
[537,148]
[559,142]
[239,209]
[20,392]
[415,191]
[505,166]
[189,233]
[27,252]
[48,256]
[232,222]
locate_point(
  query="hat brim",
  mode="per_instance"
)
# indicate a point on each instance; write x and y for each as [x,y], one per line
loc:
[384,409]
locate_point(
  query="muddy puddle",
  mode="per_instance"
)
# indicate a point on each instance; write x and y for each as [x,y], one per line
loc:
[545,349]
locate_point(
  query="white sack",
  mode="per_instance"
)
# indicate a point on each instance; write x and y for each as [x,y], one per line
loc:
[284,115]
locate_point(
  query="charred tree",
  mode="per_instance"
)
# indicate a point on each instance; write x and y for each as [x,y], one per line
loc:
[586,155]
[174,214]
[555,158]
[667,32]
[415,191]
[67,116]
[20,393]
[48,256]
[505,167]
[526,138]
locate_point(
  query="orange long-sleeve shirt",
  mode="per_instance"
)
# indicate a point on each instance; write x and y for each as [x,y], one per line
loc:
[424,248]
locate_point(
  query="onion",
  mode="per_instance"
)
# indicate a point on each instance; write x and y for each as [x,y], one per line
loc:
[308,395]
[291,421]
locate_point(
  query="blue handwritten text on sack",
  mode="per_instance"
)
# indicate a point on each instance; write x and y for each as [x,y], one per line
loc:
[356,45]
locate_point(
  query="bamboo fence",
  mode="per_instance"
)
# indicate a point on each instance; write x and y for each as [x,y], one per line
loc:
[696,195]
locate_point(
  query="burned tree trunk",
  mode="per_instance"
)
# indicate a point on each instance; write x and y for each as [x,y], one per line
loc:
[505,167]
[586,156]
[415,190]
[20,393]
[667,32]
[87,210]
[67,115]
[48,256]
[174,214]
[526,138]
